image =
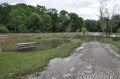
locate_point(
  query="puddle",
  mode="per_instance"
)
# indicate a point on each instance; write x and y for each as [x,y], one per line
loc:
[66,75]
[60,67]
[88,69]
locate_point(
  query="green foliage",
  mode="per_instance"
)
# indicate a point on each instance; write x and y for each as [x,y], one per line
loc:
[5,9]
[35,22]
[63,20]
[118,30]
[39,19]
[47,22]
[22,29]
[18,18]
[77,30]
[84,30]
[75,22]
[41,9]
[92,25]
[3,29]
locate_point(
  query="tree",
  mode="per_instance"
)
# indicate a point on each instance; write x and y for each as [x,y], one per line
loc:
[84,31]
[27,18]
[55,20]
[114,17]
[34,23]
[5,9]
[63,18]
[41,9]
[92,25]
[115,22]
[107,20]
[118,30]
[102,17]
[47,22]
[26,8]
[75,22]
[80,23]
[3,29]
[18,18]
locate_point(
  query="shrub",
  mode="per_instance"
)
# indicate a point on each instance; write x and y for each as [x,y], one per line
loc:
[22,29]
[3,29]
[84,31]
[118,30]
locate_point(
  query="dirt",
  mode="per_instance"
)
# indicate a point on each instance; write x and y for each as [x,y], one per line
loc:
[92,60]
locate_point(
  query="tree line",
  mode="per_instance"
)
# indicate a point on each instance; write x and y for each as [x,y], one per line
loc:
[23,18]
[109,18]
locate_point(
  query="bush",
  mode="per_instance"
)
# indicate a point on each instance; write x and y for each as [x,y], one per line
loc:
[22,29]
[3,29]
[118,30]
[84,31]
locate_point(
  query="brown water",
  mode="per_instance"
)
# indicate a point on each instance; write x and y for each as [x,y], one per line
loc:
[8,41]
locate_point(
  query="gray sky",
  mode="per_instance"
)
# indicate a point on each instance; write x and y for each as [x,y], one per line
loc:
[88,9]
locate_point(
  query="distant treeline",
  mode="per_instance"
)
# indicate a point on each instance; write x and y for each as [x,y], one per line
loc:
[21,18]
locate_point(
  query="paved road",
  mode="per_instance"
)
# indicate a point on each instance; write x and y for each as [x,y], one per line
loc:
[93,60]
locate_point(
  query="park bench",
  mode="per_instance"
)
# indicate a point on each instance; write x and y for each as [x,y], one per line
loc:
[25,46]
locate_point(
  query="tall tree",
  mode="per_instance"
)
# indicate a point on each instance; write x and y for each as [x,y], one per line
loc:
[115,22]
[75,22]
[5,9]
[63,18]
[54,14]
[41,9]
[35,23]
[18,18]
[47,22]
[92,25]
[104,18]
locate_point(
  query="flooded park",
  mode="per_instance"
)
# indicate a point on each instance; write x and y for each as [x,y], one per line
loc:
[60,39]
[8,42]
[47,56]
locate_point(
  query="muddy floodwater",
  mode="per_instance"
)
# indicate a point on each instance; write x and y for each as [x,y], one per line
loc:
[8,42]
[93,60]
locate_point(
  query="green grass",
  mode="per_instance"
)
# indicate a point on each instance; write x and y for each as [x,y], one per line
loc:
[14,65]
[113,41]
[116,43]
[50,36]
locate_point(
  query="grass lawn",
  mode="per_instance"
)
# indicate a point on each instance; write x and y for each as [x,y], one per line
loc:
[14,65]
[117,43]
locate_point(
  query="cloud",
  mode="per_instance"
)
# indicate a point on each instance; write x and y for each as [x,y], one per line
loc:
[88,9]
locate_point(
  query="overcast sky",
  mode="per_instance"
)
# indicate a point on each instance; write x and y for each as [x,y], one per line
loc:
[88,9]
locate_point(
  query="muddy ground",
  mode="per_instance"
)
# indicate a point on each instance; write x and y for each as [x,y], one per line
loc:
[92,60]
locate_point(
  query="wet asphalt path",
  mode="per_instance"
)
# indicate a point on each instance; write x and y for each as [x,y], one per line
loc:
[93,60]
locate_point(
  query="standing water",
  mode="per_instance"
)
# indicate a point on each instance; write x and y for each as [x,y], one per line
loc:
[8,42]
